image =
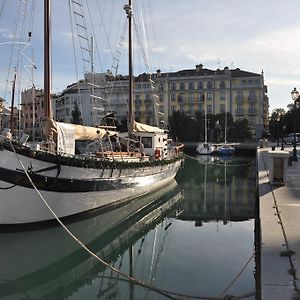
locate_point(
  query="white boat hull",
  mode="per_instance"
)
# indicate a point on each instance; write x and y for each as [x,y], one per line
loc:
[55,268]
[21,204]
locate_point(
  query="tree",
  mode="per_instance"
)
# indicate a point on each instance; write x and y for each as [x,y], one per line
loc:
[76,115]
[276,121]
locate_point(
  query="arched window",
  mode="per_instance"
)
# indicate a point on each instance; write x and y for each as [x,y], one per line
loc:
[209,85]
[200,85]
[182,86]
[222,85]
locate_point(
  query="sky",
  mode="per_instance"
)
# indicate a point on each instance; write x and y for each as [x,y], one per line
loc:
[251,35]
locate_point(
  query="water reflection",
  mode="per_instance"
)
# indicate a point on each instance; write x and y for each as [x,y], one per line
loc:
[152,239]
[218,189]
[47,264]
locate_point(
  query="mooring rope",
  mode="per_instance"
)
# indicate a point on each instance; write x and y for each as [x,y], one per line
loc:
[8,188]
[228,164]
[168,294]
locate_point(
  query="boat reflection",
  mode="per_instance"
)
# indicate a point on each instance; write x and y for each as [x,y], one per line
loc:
[218,189]
[39,263]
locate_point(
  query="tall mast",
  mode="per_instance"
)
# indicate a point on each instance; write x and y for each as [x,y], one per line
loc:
[128,9]
[47,58]
[12,102]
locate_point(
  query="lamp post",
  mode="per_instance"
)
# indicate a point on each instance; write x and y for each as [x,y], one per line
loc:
[295,96]
[277,129]
[282,138]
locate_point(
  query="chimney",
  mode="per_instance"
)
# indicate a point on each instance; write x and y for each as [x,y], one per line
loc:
[199,67]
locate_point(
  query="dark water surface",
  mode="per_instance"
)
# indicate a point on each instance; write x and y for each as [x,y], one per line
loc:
[194,237]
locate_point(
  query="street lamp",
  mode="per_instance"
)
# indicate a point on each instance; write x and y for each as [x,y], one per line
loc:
[282,138]
[295,96]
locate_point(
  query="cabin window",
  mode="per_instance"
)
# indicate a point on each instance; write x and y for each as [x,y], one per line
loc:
[147,141]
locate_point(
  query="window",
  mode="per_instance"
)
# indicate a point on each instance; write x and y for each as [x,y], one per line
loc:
[200,85]
[191,85]
[161,98]
[173,97]
[252,95]
[222,85]
[200,108]
[181,108]
[173,108]
[191,108]
[191,97]
[209,96]
[173,86]
[180,97]
[209,108]
[209,85]
[239,108]
[222,96]
[244,82]
[240,95]
[200,97]
[161,87]
[182,86]
[147,141]
[222,108]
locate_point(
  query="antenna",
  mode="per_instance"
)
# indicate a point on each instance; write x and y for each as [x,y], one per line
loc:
[219,63]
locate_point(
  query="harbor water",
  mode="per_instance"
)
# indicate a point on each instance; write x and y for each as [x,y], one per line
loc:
[194,237]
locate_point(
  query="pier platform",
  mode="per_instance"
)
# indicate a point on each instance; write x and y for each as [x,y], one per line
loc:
[280,231]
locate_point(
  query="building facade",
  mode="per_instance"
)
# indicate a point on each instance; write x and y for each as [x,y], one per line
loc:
[241,93]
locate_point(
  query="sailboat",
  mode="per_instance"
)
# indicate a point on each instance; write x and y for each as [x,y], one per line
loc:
[49,172]
[225,149]
[204,148]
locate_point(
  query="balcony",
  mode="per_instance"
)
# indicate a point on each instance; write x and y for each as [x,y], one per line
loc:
[239,112]
[239,99]
[252,112]
[252,98]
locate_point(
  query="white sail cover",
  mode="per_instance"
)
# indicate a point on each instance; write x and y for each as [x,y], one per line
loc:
[140,127]
[80,132]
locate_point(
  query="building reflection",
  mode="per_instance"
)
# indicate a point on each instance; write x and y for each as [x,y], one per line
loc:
[218,190]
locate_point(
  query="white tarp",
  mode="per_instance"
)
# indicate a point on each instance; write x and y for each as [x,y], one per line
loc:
[65,138]
[140,127]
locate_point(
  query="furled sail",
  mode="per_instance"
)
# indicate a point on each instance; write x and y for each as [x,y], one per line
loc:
[140,127]
[80,132]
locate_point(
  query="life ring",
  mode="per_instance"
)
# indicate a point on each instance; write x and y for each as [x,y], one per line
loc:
[157,153]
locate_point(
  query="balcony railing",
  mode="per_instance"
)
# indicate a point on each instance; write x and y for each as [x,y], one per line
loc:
[252,111]
[239,112]
[252,98]
[239,98]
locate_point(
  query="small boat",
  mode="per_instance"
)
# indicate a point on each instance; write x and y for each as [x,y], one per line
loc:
[225,150]
[204,149]
[71,184]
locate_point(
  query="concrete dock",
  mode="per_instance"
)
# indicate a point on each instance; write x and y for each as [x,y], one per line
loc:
[280,231]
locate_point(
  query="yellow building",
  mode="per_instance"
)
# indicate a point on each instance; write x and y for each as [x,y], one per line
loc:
[239,92]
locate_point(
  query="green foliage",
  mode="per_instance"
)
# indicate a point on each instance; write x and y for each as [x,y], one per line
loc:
[281,123]
[187,129]
[76,115]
